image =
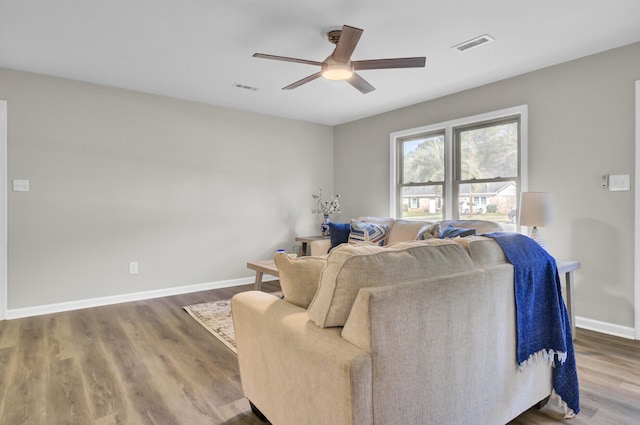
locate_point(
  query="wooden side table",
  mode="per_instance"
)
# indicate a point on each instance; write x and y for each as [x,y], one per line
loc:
[568,267]
[308,239]
[262,268]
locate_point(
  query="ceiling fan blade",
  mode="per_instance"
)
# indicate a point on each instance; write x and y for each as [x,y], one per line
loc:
[417,62]
[347,43]
[305,80]
[360,83]
[286,59]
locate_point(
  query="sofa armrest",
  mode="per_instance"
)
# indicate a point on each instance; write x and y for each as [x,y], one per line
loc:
[284,356]
[319,247]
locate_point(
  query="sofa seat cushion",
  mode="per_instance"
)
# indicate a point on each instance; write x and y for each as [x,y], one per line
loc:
[351,267]
[299,277]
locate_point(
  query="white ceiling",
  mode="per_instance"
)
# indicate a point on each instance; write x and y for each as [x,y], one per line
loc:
[198,49]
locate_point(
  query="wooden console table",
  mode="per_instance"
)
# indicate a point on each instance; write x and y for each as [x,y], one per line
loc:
[262,268]
[306,240]
[568,267]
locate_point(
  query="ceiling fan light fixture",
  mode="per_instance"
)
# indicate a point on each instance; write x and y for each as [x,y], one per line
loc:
[337,71]
[339,66]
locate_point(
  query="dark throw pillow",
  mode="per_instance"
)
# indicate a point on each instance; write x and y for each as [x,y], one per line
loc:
[339,233]
[454,232]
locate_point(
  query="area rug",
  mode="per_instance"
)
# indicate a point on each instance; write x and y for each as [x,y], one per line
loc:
[215,316]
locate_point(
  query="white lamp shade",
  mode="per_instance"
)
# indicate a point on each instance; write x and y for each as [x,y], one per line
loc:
[535,209]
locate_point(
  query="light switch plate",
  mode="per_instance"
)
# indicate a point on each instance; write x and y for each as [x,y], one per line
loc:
[133,267]
[20,185]
[619,182]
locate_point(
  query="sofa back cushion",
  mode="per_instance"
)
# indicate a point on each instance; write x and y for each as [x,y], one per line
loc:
[405,230]
[299,277]
[379,220]
[483,250]
[351,267]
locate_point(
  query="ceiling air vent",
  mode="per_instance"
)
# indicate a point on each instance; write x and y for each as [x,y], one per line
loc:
[476,42]
[242,86]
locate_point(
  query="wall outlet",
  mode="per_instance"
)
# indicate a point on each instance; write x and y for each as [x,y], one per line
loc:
[133,267]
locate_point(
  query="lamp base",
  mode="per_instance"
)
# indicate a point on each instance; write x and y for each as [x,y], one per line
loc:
[535,235]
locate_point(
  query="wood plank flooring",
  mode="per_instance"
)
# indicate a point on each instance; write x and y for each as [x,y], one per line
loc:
[149,362]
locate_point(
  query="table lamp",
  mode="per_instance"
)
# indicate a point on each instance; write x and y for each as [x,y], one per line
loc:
[535,211]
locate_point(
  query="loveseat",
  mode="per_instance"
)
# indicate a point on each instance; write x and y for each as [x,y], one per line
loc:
[419,332]
[400,230]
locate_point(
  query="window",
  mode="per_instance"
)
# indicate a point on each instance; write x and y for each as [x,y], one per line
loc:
[421,175]
[468,168]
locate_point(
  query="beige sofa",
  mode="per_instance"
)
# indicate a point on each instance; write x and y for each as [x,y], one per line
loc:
[406,230]
[418,332]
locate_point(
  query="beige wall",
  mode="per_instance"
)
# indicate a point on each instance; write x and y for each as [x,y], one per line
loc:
[190,191]
[119,176]
[581,125]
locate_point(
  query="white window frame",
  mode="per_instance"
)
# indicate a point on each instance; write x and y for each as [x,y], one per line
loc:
[3,211]
[448,128]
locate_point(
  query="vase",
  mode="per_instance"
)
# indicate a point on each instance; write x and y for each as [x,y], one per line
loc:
[324,227]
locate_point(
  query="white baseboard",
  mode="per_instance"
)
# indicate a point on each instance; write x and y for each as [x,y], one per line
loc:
[605,327]
[18,313]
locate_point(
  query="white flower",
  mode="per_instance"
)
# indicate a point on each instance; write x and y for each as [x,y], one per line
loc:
[326,207]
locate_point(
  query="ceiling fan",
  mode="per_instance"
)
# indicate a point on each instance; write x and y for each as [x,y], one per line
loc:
[339,66]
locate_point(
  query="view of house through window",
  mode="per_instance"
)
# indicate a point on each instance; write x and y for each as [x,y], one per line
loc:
[476,164]
[422,175]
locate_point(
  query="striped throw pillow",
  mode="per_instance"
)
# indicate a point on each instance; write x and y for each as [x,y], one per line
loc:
[368,232]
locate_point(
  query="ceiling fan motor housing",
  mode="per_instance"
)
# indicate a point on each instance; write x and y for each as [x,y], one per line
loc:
[334,36]
[334,70]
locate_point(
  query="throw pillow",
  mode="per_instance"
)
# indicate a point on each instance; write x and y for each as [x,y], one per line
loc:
[368,232]
[454,232]
[339,233]
[299,277]
[428,231]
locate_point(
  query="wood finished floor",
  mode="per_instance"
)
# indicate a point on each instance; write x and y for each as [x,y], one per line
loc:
[149,362]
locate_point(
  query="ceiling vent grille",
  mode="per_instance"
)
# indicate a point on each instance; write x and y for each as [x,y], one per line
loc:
[473,43]
[242,86]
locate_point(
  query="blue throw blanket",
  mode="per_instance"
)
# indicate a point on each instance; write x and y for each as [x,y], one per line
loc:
[541,315]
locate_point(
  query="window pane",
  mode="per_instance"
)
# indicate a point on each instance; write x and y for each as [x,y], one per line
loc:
[494,201]
[423,159]
[489,152]
[422,202]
